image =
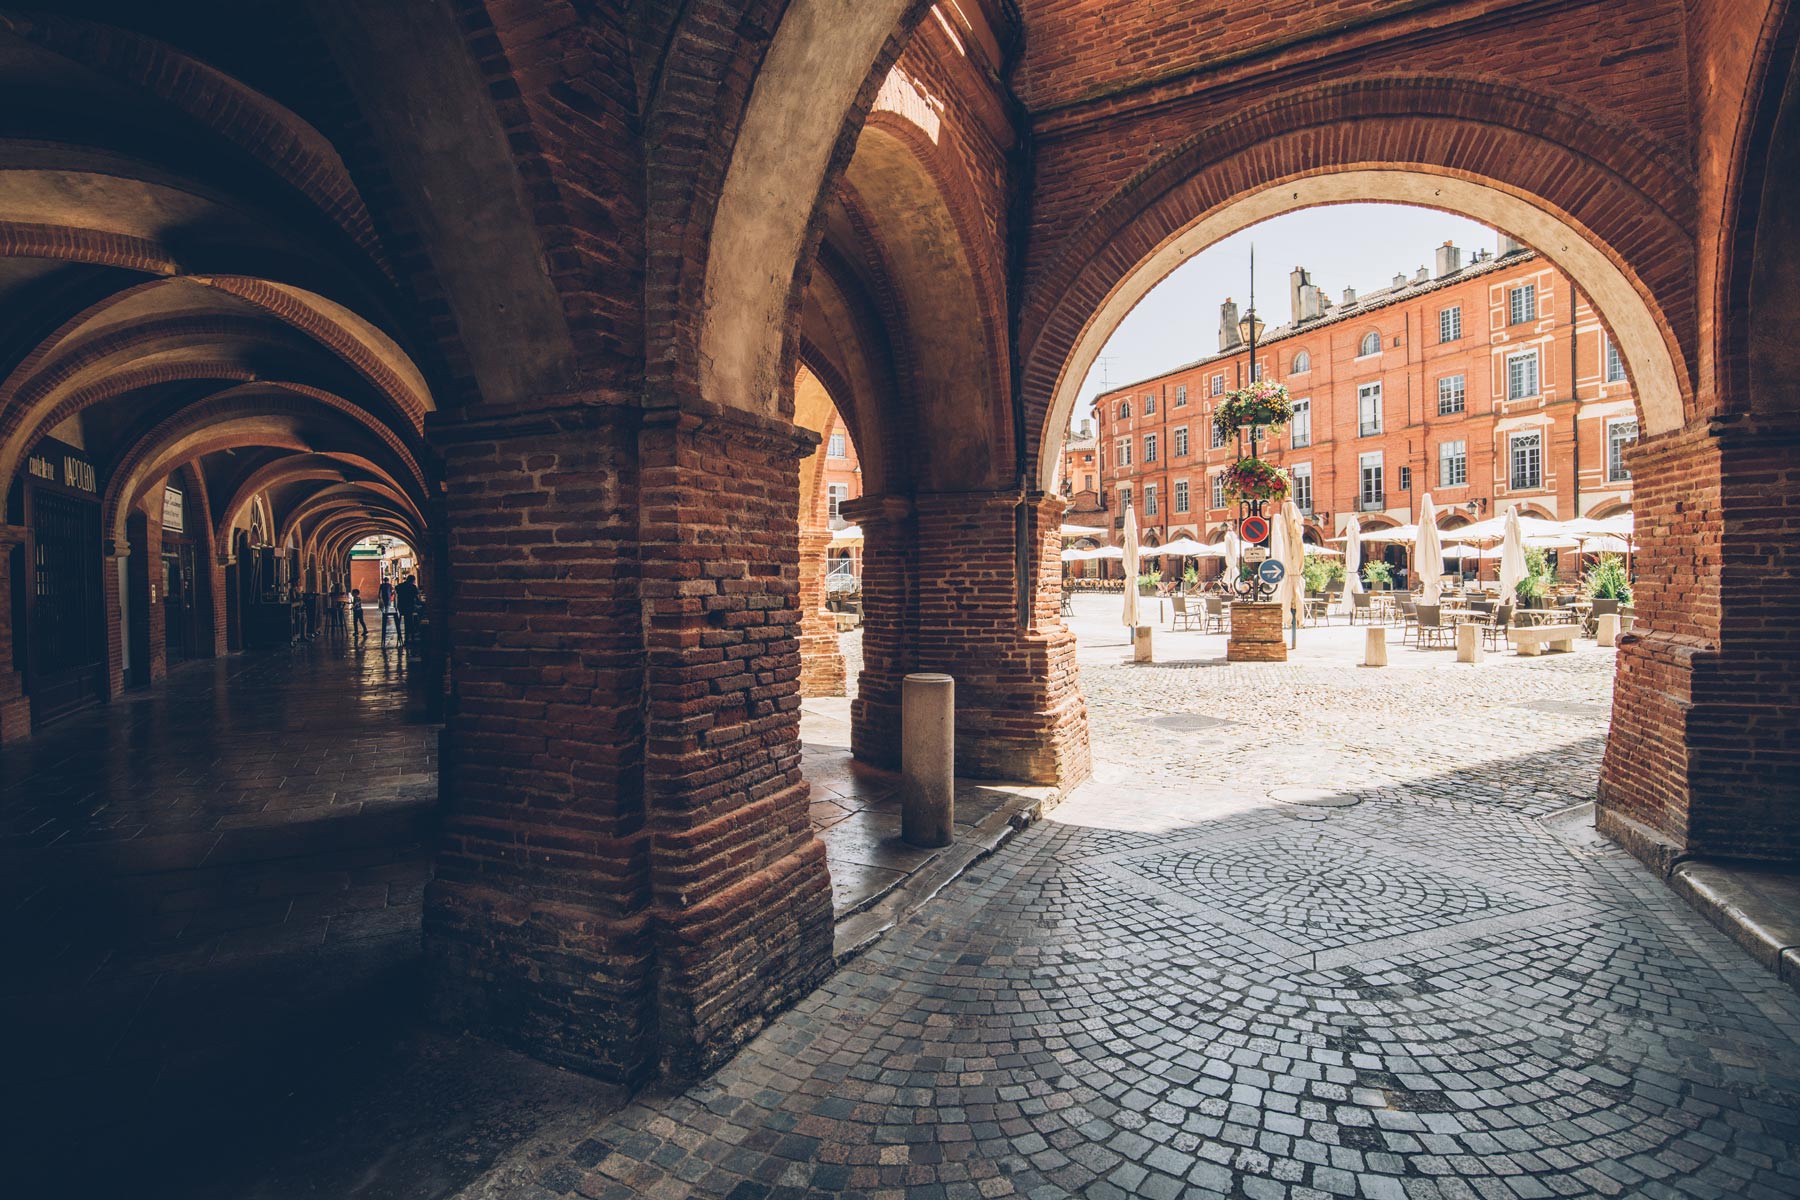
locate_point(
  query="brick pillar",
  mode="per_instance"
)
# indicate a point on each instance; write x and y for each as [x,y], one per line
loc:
[155,623]
[538,923]
[821,660]
[217,643]
[15,705]
[1704,754]
[887,589]
[742,896]
[115,563]
[1019,711]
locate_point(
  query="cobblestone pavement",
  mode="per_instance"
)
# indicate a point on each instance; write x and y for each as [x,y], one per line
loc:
[1330,948]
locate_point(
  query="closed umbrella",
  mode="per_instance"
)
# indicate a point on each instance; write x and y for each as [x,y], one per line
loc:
[1428,552]
[1130,560]
[1512,558]
[1293,558]
[1233,551]
[1352,565]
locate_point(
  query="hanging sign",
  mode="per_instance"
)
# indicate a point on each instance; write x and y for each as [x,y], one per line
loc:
[172,509]
[63,467]
[1254,529]
[1271,572]
[1256,554]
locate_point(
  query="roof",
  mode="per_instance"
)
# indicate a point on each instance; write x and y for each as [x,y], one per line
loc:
[1338,313]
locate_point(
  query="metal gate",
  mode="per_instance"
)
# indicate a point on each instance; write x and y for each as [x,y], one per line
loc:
[67,665]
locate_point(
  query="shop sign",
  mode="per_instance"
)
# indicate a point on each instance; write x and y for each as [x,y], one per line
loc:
[1256,554]
[172,509]
[63,467]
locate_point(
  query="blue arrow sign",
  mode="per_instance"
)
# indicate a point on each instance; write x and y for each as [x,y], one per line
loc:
[1271,571]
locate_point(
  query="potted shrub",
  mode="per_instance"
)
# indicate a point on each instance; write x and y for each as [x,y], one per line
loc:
[1256,479]
[1320,572]
[1377,575]
[1606,580]
[1147,583]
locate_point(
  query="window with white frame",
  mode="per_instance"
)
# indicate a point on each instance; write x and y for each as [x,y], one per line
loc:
[1521,304]
[1620,436]
[1150,499]
[1149,447]
[1124,496]
[1218,439]
[1181,441]
[1181,495]
[1303,490]
[1406,479]
[1256,371]
[1453,464]
[1124,410]
[1122,452]
[1149,406]
[1217,387]
[1368,409]
[1181,395]
[1300,424]
[1527,458]
[1302,363]
[1522,375]
[1452,395]
[838,494]
[1371,344]
[836,447]
[1218,491]
[1615,365]
[1371,493]
[1450,323]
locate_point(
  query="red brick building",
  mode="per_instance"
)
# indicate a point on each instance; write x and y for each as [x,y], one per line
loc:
[1453,381]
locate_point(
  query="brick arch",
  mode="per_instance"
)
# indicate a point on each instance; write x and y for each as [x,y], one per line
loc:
[790,128]
[324,464]
[1600,200]
[330,497]
[94,247]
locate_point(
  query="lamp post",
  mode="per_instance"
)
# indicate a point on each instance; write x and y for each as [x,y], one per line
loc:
[1250,328]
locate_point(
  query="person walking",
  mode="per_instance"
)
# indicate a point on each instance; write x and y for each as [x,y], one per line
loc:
[359,626]
[406,599]
[388,612]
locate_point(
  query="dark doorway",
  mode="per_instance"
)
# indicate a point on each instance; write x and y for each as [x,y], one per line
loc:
[67,663]
[181,609]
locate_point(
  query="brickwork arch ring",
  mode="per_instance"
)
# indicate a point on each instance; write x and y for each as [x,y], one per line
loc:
[1638,328]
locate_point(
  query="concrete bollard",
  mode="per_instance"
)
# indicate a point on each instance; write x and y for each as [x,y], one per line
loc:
[1606,629]
[1468,643]
[1375,647]
[1140,643]
[927,759]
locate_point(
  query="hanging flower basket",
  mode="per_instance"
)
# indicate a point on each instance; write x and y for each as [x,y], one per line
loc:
[1264,403]
[1256,479]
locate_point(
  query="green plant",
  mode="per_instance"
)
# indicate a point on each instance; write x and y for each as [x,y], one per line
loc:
[1540,573]
[1540,562]
[1191,576]
[1149,579]
[1320,571]
[1606,580]
[1264,403]
[1255,479]
[1378,572]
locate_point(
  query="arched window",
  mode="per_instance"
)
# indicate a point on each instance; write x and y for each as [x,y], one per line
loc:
[1124,410]
[1302,362]
[1371,344]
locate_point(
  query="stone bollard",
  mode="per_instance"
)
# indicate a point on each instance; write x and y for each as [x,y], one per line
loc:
[1140,643]
[1606,629]
[1468,643]
[927,759]
[1375,647]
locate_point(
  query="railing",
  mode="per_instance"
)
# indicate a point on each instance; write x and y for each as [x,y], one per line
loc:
[1374,503]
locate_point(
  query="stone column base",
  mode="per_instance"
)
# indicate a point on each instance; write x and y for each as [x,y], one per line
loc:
[1256,634]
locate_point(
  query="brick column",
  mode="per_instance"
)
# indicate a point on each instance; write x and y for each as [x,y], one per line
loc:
[1704,754]
[537,923]
[1019,711]
[215,584]
[15,705]
[821,660]
[742,896]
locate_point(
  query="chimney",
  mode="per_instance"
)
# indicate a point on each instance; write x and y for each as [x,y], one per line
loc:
[1400,279]
[1308,302]
[1349,295]
[1421,275]
[1087,428]
[1229,337]
[1509,246]
[1449,260]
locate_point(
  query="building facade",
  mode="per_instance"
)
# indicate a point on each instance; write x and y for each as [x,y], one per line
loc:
[1487,384]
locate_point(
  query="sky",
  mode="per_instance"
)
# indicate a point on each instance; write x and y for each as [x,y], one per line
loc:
[1344,245]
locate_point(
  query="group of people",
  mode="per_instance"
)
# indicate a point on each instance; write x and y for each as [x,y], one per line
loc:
[397,602]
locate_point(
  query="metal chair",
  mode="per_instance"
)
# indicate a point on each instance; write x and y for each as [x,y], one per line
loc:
[1216,620]
[1180,618]
[1361,605]
[1432,628]
[1493,633]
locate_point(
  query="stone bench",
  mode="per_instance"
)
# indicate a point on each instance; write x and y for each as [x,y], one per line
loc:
[1532,639]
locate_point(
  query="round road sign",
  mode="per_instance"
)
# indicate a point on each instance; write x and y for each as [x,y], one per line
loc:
[1272,571]
[1254,529]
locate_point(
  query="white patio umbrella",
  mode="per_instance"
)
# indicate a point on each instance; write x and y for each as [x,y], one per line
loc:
[1512,558]
[1130,559]
[849,535]
[1428,552]
[1233,552]
[1352,565]
[1184,547]
[1074,531]
[1292,552]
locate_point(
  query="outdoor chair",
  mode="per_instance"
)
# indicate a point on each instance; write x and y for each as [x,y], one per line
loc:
[1362,608]
[1608,604]
[1180,618]
[1409,620]
[1217,620]
[1432,628]
[1068,602]
[1493,633]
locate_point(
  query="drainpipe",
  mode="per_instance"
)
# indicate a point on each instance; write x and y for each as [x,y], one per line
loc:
[1574,389]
